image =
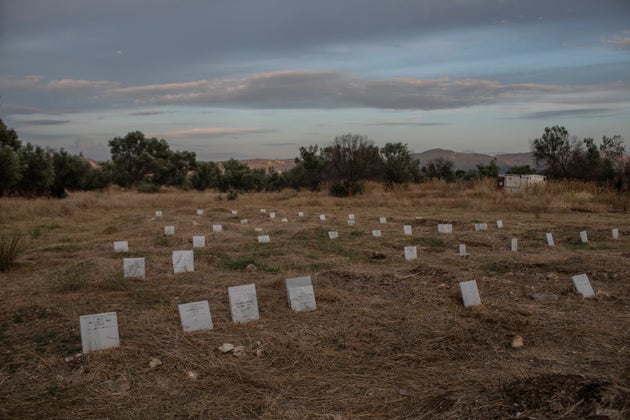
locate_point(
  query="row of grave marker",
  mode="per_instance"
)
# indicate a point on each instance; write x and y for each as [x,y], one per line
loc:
[100,331]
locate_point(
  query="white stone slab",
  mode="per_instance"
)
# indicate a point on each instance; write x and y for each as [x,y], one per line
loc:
[411,253]
[481,226]
[351,216]
[199,241]
[303,281]
[462,250]
[382,220]
[445,228]
[217,228]
[583,285]
[615,233]
[183,261]
[376,233]
[244,221]
[195,316]
[302,299]
[300,214]
[199,212]
[351,222]
[322,217]
[99,331]
[499,224]
[583,237]
[514,244]
[272,214]
[333,234]
[133,267]
[264,239]
[158,213]
[169,230]
[234,212]
[243,303]
[470,293]
[549,237]
[284,220]
[407,229]
[258,229]
[121,246]
[263,210]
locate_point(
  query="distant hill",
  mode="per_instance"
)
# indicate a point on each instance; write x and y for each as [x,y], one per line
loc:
[280,165]
[466,161]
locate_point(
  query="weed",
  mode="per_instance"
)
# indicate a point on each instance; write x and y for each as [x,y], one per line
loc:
[430,242]
[10,249]
[73,278]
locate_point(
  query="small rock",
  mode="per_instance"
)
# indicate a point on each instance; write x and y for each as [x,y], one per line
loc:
[606,412]
[154,363]
[525,311]
[238,351]
[259,352]
[551,276]
[226,347]
[192,375]
[195,223]
[404,393]
[517,342]
[378,256]
[539,296]
[251,268]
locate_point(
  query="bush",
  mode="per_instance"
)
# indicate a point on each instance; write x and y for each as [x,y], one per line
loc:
[148,187]
[232,195]
[10,248]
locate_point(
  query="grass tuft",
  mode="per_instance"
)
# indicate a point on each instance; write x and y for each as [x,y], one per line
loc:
[11,246]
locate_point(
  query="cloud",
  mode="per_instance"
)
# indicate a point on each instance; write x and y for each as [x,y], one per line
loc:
[290,89]
[620,42]
[212,132]
[46,122]
[17,109]
[67,84]
[568,113]
[401,123]
[146,113]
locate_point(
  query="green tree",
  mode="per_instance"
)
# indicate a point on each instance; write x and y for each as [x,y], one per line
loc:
[521,170]
[136,158]
[205,175]
[352,159]
[556,152]
[309,169]
[71,172]
[38,172]
[10,169]
[439,168]
[8,137]
[399,167]
[490,170]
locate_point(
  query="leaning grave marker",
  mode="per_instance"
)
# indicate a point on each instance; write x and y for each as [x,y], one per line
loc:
[217,228]
[195,316]
[300,294]
[445,228]
[121,246]
[583,237]
[376,233]
[243,303]
[133,268]
[99,331]
[615,233]
[411,253]
[199,241]
[549,237]
[407,229]
[169,230]
[583,285]
[481,226]
[514,244]
[264,239]
[469,293]
[333,234]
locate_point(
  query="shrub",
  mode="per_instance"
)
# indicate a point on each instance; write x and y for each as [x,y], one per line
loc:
[148,187]
[10,248]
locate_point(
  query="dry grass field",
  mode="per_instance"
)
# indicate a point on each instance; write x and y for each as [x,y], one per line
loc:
[390,338]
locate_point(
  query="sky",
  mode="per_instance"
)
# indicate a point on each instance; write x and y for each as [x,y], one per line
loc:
[261,78]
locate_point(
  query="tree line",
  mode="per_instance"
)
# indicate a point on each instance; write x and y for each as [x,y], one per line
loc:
[343,166]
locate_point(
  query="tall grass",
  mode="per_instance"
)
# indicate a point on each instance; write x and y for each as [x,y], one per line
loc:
[10,249]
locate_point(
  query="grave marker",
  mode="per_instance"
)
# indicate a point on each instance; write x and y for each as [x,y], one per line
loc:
[333,234]
[199,212]
[300,294]
[217,228]
[445,228]
[195,316]
[133,267]
[243,303]
[284,220]
[322,217]
[583,285]
[481,226]
[300,214]
[264,239]
[462,250]
[470,293]
[549,239]
[99,331]
[583,237]
[272,214]
[411,253]
[244,221]
[615,233]
[376,233]
[514,244]
[199,241]
[407,229]
[169,230]
[499,224]
[351,216]
[158,213]
[183,261]
[121,246]
[234,212]
[382,220]
[351,222]
[263,210]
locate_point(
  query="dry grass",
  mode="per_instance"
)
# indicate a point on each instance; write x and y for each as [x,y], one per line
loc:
[390,338]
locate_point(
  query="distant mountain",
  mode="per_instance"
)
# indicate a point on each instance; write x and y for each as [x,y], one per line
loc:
[467,161]
[279,165]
